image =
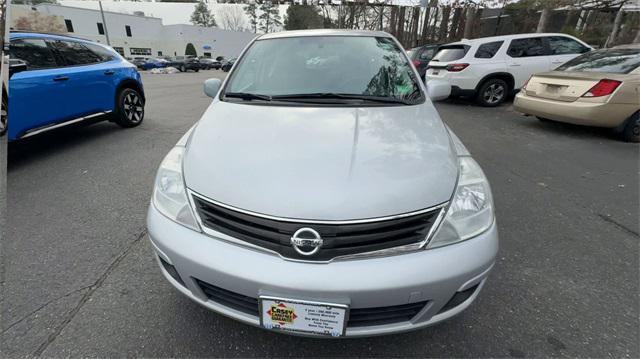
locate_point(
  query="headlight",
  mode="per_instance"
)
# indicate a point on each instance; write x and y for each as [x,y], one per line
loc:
[471,209]
[169,192]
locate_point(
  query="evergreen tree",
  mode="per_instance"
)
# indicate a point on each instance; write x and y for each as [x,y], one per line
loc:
[300,17]
[252,12]
[202,16]
[270,17]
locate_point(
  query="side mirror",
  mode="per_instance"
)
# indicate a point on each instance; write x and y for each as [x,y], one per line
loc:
[212,86]
[438,90]
[16,66]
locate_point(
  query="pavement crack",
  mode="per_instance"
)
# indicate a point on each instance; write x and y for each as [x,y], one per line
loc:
[42,307]
[87,295]
[619,225]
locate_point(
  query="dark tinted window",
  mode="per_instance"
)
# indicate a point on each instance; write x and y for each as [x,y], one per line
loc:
[101,52]
[127,28]
[617,61]
[75,53]
[451,53]
[533,46]
[100,28]
[488,50]
[69,25]
[560,45]
[34,52]
[427,53]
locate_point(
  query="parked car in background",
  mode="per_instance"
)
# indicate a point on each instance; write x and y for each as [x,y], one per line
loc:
[228,64]
[138,62]
[59,80]
[600,88]
[208,63]
[420,56]
[492,68]
[148,64]
[303,236]
[185,63]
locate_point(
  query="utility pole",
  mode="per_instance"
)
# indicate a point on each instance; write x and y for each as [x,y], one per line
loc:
[104,23]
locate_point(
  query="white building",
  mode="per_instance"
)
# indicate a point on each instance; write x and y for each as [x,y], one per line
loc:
[139,35]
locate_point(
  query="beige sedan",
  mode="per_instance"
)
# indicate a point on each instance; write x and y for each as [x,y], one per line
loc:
[600,88]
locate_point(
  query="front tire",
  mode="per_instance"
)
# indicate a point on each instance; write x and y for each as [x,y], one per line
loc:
[130,108]
[183,69]
[492,93]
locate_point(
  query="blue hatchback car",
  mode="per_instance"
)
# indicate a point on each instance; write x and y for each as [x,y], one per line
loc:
[59,80]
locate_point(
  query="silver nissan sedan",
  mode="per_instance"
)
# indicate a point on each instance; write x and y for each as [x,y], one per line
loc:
[321,194]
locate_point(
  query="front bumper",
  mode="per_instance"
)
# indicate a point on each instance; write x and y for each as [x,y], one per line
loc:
[580,112]
[434,275]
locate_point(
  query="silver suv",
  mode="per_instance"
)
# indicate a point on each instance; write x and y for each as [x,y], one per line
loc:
[320,193]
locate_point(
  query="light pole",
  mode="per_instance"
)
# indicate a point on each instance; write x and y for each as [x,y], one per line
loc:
[104,23]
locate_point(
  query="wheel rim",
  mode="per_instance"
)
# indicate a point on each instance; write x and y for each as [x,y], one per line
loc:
[636,129]
[493,94]
[133,108]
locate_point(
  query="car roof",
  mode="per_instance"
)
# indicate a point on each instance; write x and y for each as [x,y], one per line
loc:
[628,46]
[323,32]
[505,37]
[28,34]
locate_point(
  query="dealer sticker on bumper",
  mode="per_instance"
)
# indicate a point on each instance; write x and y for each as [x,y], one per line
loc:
[303,316]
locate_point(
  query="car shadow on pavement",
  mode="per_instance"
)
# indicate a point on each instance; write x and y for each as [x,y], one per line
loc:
[571,130]
[57,141]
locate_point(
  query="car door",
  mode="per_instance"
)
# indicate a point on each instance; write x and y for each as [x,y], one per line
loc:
[526,57]
[89,87]
[563,49]
[37,95]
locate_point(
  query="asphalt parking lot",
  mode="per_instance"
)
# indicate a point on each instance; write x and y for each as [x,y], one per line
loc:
[80,280]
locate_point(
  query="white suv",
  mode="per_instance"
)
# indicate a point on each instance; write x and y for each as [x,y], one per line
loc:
[490,68]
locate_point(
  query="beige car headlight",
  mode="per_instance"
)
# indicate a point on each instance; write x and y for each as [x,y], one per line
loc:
[471,209]
[169,192]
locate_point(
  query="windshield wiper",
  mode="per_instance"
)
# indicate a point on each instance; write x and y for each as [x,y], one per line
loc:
[339,96]
[247,96]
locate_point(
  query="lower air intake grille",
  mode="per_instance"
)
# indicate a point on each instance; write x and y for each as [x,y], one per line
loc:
[236,301]
[358,317]
[362,317]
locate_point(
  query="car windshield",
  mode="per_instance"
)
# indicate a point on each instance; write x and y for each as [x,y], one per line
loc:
[338,65]
[616,61]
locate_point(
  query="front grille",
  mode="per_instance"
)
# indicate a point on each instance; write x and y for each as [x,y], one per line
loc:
[358,317]
[338,239]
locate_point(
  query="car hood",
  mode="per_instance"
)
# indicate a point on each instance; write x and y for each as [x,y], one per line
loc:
[321,163]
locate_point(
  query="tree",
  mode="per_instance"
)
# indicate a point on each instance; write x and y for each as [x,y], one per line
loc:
[190,50]
[202,15]
[252,12]
[231,18]
[300,17]
[270,17]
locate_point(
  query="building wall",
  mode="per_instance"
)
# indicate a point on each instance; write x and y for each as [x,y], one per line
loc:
[147,33]
[217,42]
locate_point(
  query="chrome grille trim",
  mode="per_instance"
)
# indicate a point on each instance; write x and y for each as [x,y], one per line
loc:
[377,253]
